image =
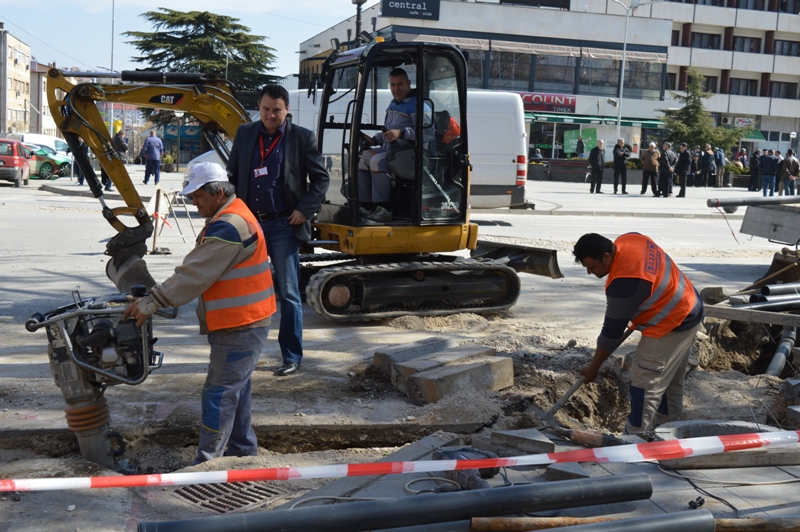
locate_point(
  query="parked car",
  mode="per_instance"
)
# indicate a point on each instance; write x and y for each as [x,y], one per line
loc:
[210,156]
[46,163]
[14,164]
[55,143]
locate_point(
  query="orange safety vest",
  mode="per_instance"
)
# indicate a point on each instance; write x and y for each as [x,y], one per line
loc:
[672,297]
[244,294]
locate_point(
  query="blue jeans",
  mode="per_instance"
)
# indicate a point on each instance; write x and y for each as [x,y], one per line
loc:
[768,182]
[226,400]
[789,186]
[284,253]
[152,166]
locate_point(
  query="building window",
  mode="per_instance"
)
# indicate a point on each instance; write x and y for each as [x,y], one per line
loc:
[781,89]
[744,87]
[554,74]
[672,81]
[787,48]
[676,37]
[642,80]
[711,84]
[718,3]
[509,70]
[757,5]
[747,44]
[475,68]
[599,77]
[790,6]
[707,41]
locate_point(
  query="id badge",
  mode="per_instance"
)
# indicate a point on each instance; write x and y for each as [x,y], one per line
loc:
[261,172]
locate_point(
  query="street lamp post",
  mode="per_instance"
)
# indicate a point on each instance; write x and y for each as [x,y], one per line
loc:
[628,9]
[179,116]
[358,4]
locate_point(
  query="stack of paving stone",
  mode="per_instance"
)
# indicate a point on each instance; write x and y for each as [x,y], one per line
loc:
[430,369]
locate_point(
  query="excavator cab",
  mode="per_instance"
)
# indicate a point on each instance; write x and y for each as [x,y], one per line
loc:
[428,175]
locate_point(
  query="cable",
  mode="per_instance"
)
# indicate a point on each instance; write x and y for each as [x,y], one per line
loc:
[435,479]
[41,41]
[701,490]
[332,498]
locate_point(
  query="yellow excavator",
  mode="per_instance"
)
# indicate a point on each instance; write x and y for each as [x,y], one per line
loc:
[368,272]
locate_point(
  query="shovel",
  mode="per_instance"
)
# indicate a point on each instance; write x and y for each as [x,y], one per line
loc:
[547,417]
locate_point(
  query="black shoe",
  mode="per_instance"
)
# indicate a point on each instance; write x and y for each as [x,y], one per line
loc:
[598,192]
[624,192]
[615,192]
[287,369]
[145,182]
[643,192]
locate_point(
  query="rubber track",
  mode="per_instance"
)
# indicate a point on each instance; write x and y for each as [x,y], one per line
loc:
[325,257]
[319,280]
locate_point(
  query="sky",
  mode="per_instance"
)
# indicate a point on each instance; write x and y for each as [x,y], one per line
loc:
[78,32]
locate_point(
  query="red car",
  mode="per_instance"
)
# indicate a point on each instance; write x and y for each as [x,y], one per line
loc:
[14,164]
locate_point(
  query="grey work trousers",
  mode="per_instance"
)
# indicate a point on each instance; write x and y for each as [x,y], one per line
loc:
[657,380]
[226,402]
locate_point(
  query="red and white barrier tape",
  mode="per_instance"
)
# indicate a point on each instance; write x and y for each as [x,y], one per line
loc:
[660,450]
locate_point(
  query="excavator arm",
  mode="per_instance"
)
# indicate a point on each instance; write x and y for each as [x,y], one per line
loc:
[74,108]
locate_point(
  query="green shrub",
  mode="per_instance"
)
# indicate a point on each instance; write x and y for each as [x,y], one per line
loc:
[167,159]
[734,169]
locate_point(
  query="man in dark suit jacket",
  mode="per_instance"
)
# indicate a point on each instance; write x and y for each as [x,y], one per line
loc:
[279,173]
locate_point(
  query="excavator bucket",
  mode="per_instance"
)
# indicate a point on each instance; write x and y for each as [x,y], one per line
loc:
[522,259]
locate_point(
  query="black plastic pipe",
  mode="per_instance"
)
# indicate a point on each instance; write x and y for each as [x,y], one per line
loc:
[784,351]
[780,289]
[736,202]
[425,509]
[692,521]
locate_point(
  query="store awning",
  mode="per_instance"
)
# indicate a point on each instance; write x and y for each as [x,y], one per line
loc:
[588,119]
[751,134]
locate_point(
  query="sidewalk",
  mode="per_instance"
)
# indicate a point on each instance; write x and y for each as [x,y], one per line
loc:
[69,186]
[547,197]
[574,199]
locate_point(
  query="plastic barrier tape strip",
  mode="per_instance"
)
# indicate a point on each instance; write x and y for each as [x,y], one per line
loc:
[640,452]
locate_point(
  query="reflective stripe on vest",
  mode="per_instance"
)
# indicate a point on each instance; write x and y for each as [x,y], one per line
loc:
[672,297]
[244,294]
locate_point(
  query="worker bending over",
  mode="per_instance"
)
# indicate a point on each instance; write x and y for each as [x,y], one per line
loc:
[646,288]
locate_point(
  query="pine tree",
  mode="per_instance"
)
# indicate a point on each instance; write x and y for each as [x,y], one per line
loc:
[199,41]
[693,124]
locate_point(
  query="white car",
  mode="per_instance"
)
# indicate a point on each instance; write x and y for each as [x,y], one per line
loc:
[208,157]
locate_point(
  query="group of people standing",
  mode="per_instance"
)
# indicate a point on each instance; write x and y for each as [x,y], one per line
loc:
[771,172]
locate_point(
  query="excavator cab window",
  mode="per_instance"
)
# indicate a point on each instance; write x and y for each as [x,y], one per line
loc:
[428,174]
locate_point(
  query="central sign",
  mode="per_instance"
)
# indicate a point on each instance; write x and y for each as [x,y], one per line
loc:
[548,103]
[420,9]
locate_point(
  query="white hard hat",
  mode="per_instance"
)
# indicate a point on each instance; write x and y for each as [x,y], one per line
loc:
[202,173]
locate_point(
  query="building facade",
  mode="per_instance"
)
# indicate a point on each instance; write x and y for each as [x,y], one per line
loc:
[41,120]
[15,83]
[564,58]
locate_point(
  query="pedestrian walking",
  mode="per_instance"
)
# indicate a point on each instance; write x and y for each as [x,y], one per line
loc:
[769,168]
[650,159]
[708,167]
[683,168]
[621,154]
[597,161]
[152,148]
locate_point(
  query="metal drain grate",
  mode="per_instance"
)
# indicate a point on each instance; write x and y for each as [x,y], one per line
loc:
[226,498]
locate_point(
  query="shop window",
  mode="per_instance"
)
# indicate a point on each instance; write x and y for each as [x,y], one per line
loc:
[780,89]
[747,44]
[706,41]
[744,87]
[599,77]
[642,80]
[554,74]
[475,68]
[509,70]
[787,48]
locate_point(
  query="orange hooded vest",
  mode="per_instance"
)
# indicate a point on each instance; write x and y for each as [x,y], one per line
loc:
[244,294]
[672,297]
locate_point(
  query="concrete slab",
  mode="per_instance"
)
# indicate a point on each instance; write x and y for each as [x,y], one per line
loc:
[529,441]
[487,373]
[793,414]
[385,357]
[678,501]
[565,471]
[401,371]
[772,500]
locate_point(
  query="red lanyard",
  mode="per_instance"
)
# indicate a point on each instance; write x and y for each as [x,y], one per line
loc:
[272,146]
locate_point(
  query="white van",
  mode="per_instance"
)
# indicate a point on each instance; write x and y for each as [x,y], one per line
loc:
[58,144]
[497,142]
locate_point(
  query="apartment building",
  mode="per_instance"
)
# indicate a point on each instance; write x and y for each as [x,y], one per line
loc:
[41,121]
[564,58]
[15,83]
